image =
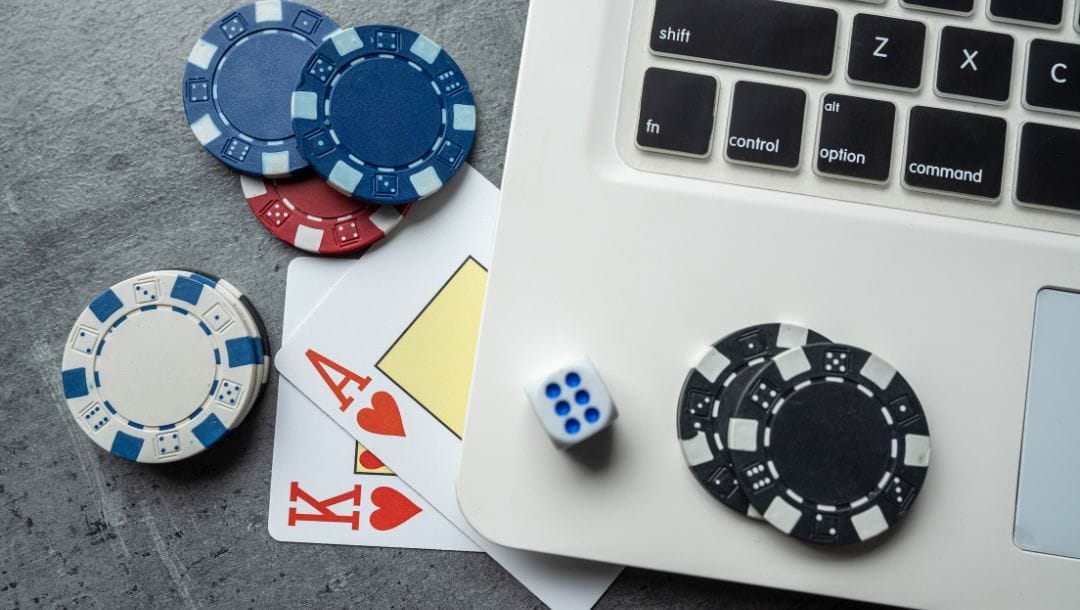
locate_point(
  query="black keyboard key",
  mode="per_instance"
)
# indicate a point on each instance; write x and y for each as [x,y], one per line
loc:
[1029,12]
[887,51]
[975,64]
[677,112]
[763,34]
[1047,167]
[959,7]
[766,125]
[955,152]
[1053,76]
[855,138]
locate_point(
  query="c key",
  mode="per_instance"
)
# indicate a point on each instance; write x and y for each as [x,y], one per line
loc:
[1053,76]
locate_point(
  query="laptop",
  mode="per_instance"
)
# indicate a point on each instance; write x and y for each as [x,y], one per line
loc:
[897,175]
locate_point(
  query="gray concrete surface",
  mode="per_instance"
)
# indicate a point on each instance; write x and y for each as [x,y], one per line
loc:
[100,179]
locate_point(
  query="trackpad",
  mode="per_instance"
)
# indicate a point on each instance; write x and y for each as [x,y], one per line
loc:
[1048,497]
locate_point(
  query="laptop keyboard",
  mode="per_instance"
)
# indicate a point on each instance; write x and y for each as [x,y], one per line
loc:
[966,100]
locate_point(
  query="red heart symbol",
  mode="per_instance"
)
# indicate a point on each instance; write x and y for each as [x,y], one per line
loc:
[369,461]
[392,509]
[382,417]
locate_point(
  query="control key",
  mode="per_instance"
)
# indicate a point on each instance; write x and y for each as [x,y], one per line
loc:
[766,126]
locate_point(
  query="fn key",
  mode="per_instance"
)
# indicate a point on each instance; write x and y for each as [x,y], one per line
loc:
[677,112]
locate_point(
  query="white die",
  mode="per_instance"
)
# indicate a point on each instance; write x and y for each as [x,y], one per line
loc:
[572,403]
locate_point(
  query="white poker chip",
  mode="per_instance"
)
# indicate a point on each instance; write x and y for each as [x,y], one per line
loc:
[247,313]
[162,366]
[253,322]
[243,305]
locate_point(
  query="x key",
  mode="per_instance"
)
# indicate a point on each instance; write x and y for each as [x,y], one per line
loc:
[969,60]
[975,65]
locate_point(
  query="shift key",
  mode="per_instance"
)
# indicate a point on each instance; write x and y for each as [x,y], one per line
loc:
[762,34]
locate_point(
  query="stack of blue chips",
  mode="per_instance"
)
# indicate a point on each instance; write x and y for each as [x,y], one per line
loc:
[382,113]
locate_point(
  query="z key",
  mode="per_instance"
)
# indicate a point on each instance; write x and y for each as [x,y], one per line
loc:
[887,52]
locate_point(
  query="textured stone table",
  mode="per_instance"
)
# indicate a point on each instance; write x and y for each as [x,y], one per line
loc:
[100,179]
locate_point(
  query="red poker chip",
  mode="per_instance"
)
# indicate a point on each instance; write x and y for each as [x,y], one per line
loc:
[309,214]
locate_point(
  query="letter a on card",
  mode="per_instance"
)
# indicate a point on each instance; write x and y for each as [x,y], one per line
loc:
[322,363]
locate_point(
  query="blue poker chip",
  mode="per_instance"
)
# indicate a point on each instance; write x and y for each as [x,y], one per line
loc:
[384,114]
[239,78]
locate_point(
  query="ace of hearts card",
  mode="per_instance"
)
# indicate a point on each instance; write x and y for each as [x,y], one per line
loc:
[325,487]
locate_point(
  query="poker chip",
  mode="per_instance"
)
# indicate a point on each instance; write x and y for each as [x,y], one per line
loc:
[253,320]
[161,366]
[705,405]
[260,325]
[308,214]
[239,79]
[830,443]
[384,114]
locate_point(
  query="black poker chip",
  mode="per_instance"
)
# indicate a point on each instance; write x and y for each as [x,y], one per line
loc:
[830,443]
[704,408]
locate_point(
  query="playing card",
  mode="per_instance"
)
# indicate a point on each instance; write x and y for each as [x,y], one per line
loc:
[388,355]
[325,487]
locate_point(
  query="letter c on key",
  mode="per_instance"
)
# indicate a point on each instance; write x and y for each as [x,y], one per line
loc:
[1054,73]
